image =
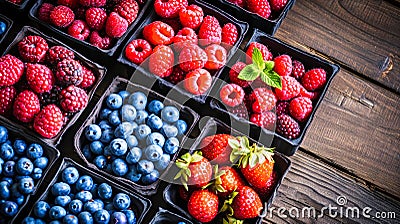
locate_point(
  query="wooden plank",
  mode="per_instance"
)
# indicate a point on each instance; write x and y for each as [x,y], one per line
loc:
[311,183]
[363,35]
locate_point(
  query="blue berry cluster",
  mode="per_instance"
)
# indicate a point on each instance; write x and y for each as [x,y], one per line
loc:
[78,199]
[3,27]
[21,166]
[136,139]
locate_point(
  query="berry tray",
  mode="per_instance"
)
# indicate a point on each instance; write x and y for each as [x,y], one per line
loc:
[212,127]
[98,71]
[117,85]
[208,9]
[18,7]
[8,22]
[33,14]
[164,216]
[265,136]
[139,204]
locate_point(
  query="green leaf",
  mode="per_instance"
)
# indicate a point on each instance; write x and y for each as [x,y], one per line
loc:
[272,78]
[220,188]
[250,72]
[261,158]
[253,160]
[233,143]
[186,157]
[258,59]
[245,161]
[269,65]
[178,175]
[196,157]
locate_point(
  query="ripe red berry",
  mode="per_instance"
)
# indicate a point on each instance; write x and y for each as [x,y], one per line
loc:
[161,62]
[287,126]
[240,3]
[49,121]
[177,75]
[174,23]
[229,35]
[283,65]
[240,111]
[40,78]
[58,53]
[183,38]
[298,70]
[62,16]
[11,70]
[138,50]
[260,7]
[232,95]
[216,55]
[70,3]
[169,8]
[96,18]
[203,205]
[44,12]
[300,108]
[263,99]
[88,78]
[290,88]
[73,99]
[234,73]
[158,33]
[314,79]
[33,49]
[79,30]
[69,72]
[192,57]
[191,16]
[116,26]
[93,3]
[282,107]
[278,5]
[101,41]
[198,81]
[26,106]
[210,32]
[128,9]
[267,55]
[265,119]
[7,96]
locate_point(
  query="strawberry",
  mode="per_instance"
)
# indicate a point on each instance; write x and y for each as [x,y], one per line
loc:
[262,100]
[283,65]
[203,205]
[300,108]
[216,149]
[194,170]
[314,79]
[161,62]
[266,192]
[227,179]
[290,88]
[246,204]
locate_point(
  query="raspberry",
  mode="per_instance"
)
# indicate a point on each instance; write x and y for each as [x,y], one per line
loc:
[44,12]
[232,95]
[40,78]
[62,16]
[128,9]
[11,70]
[70,3]
[290,88]
[210,32]
[240,3]
[17,2]
[234,73]
[298,70]
[229,35]
[7,96]
[183,38]
[79,30]
[308,94]
[161,62]
[192,16]
[282,107]
[73,99]
[169,8]
[69,72]
[96,18]
[80,13]
[158,33]
[88,78]
[287,126]
[314,79]
[26,106]
[267,55]
[260,7]
[192,57]
[262,100]
[174,23]
[283,65]
[52,97]
[277,5]
[49,121]
[265,119]
[93,3]
[33,49]
[100,41]
[240,111]
[138,50]
[59,53]
[300,108]
[177,75]
[198,81]
[216,55]
[116,26]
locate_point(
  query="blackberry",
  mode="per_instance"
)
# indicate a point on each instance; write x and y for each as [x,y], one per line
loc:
[287,126]
[69,72]
[52,97]
[177,76]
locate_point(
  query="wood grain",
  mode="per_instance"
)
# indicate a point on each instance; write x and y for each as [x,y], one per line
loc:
[363,35]
[311,183]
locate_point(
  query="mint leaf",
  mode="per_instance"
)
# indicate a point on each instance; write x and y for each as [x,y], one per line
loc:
[257,58]
[269,65]
[272,78]
[250,72]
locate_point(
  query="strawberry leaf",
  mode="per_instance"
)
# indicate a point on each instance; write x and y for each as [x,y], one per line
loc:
[253,160]
[233,143]
[272,78]
[250,72]
[269,65]
[258,59]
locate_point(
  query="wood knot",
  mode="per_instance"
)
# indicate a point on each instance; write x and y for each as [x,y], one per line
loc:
[386,66]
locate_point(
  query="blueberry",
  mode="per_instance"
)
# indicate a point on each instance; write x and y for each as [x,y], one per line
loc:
[114,118]
[34,151]
[138,100]
[154,122]
[121,201]
[169,130]
[70,175]
[118,218]
[26,185]
[163,162]
[4,190]
[19,200]
[19,146]
[155,106]
[155,138]
[6,151]
[62,201]
[145,166]
[107,151]
[84,196]
[104,191]
[9,208]
[130,215]
[100,162]
[170,114]
[15,193]
[153,152]
[70,219]
[107,136]
[101,217]
[41,162]
[94,190]
[109,206]
[123,130]
[39,221]
[128,113]
[141,117]
[132,141]
[85,218]
[84,183]
[37,173]
[8,179]
[93,132]
[124,94]
[86,152]
[171,145]
[104,125]
[142,132]
[92,206]
[181,222]
[28,220]
[75,206]
[24,166]
[118,147]
[3,134]
[181,126]
[55,222]
[119,167]
[104,113]
[3,27]
[96,147]
[57,212]
[60,189]
[100,202]
[133,174]
[150,177]
[134,155]
[114,101]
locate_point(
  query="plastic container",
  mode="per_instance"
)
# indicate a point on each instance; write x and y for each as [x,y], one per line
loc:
[142,9]
[117,85]
[208,10]
[18,7]
[98,71]
[139,204]
[214,126]
[9,23]
[282,144]
[164,216]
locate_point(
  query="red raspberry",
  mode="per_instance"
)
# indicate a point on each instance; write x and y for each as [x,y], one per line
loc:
[300,108]
[116,26]
[192,57]
[49,121]
[96,18]
[79,30]
[177,76]
[33,49]
[198,81]
[210,32]
[277,5]
[88,78]
[283,65]
[192,16]
[262,100]
[128,9]
[240,111]
[158,33]
[240,3]
[7,96]
[93,3]
[40,78]
[216,55]
[138,50]
[44,12]
[287,126]
[298,70]
[26,106]
[100,41]
[73,99]
[17,2]
[70,3]
[232,95]
[265,119]
[267,55]
[183,38]
[11,70]
[69,72]
[169,8]
[59,53]
[314,79]
[234,73]
[308,94]
[229,35]
[62,16]
[174,23]
[80,13]
[282,107]
[290,88]
[260,7]
[161,62]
